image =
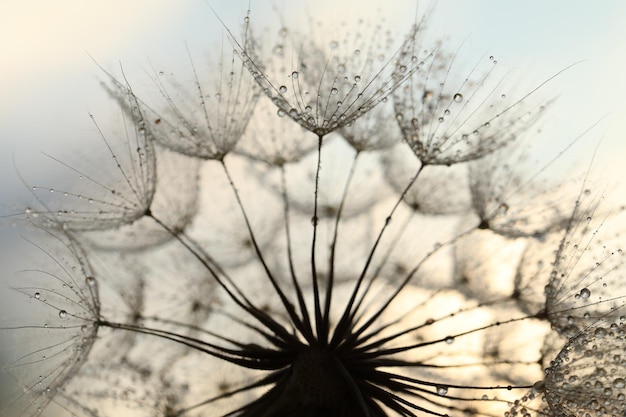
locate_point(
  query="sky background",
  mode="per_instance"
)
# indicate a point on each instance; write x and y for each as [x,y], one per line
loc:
[49,83]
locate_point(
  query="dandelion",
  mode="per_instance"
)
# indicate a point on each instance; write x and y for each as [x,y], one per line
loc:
[50,313]
[325,84]
[202,118]
[113,197]
[320,279]
[448,116]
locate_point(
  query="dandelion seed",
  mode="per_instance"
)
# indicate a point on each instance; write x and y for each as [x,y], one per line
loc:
[325,92]
[47,341]
[448,116]
[204,118]
[119,193]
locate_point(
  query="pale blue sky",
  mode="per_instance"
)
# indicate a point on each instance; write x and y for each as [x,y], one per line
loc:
[48,81]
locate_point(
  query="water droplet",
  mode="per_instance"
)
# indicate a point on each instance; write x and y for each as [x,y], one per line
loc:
[458,97]
[294,74]
[334,91]
[62,314]
[441,119]
[539,386]
[449,340]
[246,19]
[441,390]
[619,383]
[314,220]
[307,109]
[282,89]
[37,295]
[278,50]
[91,281]
[585,293]
[600,333]
[357,78]
[293,113]
[491,58]
[281,113]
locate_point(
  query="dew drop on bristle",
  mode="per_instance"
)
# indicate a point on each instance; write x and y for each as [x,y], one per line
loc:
[458,97]
[585,293]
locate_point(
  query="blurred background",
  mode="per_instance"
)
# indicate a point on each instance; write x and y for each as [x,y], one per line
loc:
[49,81]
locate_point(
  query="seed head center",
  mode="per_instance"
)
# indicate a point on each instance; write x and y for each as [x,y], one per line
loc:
[317,379]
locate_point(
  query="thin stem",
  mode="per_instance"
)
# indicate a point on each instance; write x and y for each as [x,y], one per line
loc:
[333,245]
[345,322]
[316,292]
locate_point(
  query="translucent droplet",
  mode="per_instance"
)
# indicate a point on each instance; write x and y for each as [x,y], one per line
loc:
[449,340]
[314,220]
[293,113]
[600,333]
[539,386]
[307,109]
[585,293]
[458,97]
[441,119]
[281,113]
[294,75]
[357,78]
[441,390]
[278,50]
[37,295]
[491,58]
[282,89]
[91,281]
[619,383]
[62,314]
[334,91]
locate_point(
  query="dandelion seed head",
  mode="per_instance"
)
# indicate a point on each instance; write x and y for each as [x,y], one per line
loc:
[286,275]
